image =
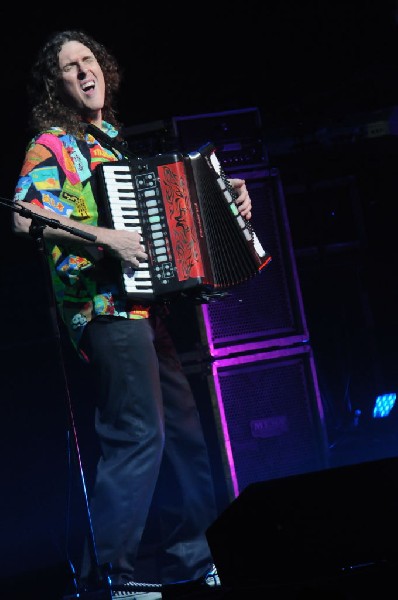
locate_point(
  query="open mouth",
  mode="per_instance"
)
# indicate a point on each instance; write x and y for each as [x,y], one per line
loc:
[88,87]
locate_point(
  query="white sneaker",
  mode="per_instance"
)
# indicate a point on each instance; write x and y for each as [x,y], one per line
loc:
[133,590]
[211,578]
[131,595]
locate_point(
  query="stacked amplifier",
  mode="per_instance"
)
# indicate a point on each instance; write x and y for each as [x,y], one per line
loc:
[248,355]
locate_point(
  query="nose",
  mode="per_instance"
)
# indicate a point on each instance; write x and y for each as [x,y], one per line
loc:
[82,70]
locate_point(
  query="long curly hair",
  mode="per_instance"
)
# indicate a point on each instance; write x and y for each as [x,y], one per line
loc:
[47,107]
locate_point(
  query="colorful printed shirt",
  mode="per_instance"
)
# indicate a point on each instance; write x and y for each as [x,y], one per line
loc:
[57,174]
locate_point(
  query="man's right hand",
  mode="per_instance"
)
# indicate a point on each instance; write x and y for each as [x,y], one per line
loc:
[125,245]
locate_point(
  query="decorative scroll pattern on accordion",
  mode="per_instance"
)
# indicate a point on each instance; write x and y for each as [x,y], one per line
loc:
[196,240]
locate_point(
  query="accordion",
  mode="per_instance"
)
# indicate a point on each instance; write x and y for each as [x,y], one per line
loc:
[197,242]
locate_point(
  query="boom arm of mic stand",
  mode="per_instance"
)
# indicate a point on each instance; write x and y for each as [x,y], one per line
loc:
[42,221]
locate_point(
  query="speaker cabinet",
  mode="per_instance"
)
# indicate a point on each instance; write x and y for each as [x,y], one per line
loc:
[270,416]
[318,525]
[266,310]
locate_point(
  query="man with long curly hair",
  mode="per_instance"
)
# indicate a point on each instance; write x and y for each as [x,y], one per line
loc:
[146,416]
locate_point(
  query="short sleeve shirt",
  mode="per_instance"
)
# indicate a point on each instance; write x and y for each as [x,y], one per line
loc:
[58,174]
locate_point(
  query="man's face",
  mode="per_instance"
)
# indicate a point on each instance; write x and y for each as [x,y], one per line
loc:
[82,79]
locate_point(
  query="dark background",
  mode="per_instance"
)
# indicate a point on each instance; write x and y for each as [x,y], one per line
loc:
[321,74]
[304,66]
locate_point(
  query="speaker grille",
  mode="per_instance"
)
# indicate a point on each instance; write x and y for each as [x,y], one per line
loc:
[272,416]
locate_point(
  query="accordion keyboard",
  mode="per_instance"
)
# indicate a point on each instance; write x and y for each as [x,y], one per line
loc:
[124,211]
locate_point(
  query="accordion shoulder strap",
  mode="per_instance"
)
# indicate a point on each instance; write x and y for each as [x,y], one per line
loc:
[111,143]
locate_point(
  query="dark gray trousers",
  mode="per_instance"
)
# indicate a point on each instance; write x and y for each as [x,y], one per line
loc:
[146,418]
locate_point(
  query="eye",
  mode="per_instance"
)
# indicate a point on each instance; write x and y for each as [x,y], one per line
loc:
[69,67]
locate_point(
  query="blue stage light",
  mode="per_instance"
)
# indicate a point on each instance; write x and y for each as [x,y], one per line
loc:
[383,405]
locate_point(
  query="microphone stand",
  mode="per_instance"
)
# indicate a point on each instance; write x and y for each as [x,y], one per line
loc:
[36,231]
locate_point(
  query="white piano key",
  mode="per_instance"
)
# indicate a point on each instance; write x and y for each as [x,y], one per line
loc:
[120,185]
[123,201]
[117,170]
[122,222]
[116,166]
[119,211]
[119,173]
[132,285]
